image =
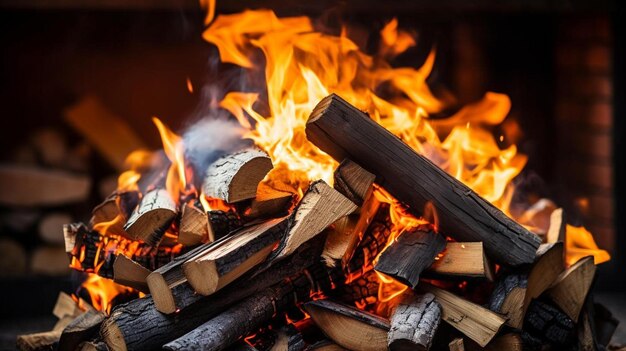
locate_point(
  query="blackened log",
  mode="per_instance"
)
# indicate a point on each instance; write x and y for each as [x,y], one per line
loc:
[221,223]
[410,254]
[138,325]
[343,131]
[414,323]
[549,324]
[81,329]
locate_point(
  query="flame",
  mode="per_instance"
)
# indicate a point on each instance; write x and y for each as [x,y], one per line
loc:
[189,86]
[579,243]
[176,181]
[102,291]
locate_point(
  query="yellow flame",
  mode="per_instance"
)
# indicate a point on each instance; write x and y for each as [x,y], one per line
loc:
[579,243]
[176,180]
[102,291]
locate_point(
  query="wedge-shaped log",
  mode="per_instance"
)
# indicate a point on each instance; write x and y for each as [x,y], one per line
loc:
[353,181]
[83,328]
[462,260]
[235,177]
[39,341]
[320,207]
[214,268]
[28,186]
[558,225]
[349,327]
[414,323]
[245,317]
[194,224]
[457,345]
[343,131]
[476,322]
[269,203]
[570,289]
[410,253]
[152,217]
[130,273]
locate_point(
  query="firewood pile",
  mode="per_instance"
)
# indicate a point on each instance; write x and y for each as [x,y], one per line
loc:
[261,268]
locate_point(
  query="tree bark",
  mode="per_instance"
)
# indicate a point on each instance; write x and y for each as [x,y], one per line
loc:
[342,131]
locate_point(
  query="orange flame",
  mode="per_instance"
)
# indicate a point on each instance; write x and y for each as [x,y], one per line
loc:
[176,181]
[579,243]
[102,291]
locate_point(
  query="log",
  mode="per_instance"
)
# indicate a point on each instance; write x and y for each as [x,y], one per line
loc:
[414,323]
[194,224]
[241,319]
[513,294]
[558,224]
[288,338]
[476,322]
[461,260]
[130,273]
[235,177]
[410,253]
[349,327]
[222,263]
[138,325]
[325,345]
[605,324]
[269,203]
[152,217]
[353,181]
[222,223]
[50,261]
[66,307]
[30,186]
[586,332]
[81,329]
[93,346]
[115,211]
[570,289]
[109,134]
[50,227]
[374,241]
[549,324]
[456,345]
[320,207]
[342,131]
[39,341]
[347,232]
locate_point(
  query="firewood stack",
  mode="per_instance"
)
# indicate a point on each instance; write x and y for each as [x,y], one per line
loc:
[264,273]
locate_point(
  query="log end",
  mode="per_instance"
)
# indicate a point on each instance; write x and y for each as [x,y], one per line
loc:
[244,184]
[202,276]
[112,336]
[161,293]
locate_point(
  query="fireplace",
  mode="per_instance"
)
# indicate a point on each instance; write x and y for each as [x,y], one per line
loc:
[82,77]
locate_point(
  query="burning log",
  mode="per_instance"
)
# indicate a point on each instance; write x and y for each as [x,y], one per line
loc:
[353,181]
[570,289]
[462,260]
[349,327]
[513,294]
[115,211]
[220,264]
[28,186]
[549,324]
[558,225]
[194,224]
[66,306]
[130,273]
[152,217]
[363,291]
[235,177]
[414,323]
[222,223]
[244,317]
[374,241]
[411,253]
[290,339]
[320,207]
[138,324]
[476,322]
[341,130]
[80,329]
[269,203]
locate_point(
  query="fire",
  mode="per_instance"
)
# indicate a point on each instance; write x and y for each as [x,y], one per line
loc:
[176,181]
[102,291]
[579,243]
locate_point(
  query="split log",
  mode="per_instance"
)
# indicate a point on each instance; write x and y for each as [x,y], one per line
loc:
[320,207]
[39,341]
[28,186]
[586,332]
[373,242]
[456,345]
[410,253]
[414,323]
[222,263]
[349,327]
[243,318]
[108,133]
[461,260]
[235,177]
[222,223]
[93,346]
[347,232]
[269,203]
[570,289]
[288,338]
[115,211]
[138,324]
[558,224]
[476,322]
[81,329]
[353,181]
[130,273]
[549,324]
[513,294]
[66,306]
[152,217]
[342,131]
[51,227]
[194,224]
[508,342]
[49,261]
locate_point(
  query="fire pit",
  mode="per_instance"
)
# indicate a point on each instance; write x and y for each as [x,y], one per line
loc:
[327,198]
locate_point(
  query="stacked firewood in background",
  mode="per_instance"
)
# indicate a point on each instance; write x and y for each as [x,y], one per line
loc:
[251,269]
